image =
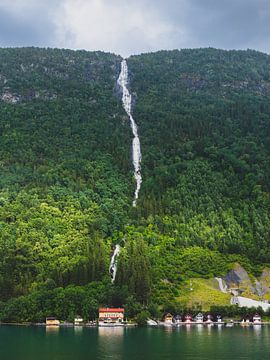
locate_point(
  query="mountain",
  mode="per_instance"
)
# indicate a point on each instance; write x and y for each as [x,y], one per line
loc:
[67,177]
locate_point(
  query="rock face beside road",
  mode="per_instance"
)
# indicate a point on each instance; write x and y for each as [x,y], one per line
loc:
[238,282]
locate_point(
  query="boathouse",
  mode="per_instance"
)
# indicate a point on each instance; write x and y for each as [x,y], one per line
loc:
[112,315]
[168,318]
[52,321]
[78,320]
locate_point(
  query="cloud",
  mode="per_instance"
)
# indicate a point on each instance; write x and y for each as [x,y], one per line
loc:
[26,23]
[121,26]
[135,26]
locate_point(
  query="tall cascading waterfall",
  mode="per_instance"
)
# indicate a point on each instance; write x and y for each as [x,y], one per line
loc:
[136,152]
[136,148]
[113,264]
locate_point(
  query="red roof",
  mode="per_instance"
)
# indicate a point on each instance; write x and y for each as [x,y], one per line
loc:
[112,310]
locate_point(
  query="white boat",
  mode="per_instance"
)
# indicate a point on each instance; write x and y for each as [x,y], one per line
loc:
[151,322]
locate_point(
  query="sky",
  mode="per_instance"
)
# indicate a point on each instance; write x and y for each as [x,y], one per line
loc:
[128,27]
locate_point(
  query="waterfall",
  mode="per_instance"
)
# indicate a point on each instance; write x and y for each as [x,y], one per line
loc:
[113,264]
[136,148]
[222,286]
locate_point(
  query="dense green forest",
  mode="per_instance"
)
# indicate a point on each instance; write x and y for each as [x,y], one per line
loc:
[66,182]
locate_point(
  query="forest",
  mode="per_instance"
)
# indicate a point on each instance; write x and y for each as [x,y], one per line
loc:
[66,180]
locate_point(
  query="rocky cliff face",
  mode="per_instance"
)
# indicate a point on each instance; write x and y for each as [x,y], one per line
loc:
[238,282]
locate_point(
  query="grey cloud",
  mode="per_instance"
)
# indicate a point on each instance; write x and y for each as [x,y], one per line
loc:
[27,27]
[221,23]
[191,23]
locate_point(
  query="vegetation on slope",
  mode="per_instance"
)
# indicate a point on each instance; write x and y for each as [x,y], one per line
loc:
[66,177]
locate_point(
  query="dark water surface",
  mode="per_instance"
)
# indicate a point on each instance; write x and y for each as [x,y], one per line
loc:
[38,343]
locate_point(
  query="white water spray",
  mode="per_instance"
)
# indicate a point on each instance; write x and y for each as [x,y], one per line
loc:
[136,148]
[222,285]
[113,264]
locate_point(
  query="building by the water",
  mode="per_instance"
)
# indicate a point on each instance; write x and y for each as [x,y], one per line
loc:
[168,319]
[52,321]
[111,315]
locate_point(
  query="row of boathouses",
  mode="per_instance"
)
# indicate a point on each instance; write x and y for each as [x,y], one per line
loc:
[116,317]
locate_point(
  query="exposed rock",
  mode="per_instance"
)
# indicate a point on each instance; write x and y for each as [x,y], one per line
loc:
[238,279]
[264,281]
[10,98]
[13,98]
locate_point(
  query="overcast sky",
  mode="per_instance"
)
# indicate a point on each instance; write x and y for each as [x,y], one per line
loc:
[133,26]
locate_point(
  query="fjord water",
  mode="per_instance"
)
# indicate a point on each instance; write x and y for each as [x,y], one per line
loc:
[189,343]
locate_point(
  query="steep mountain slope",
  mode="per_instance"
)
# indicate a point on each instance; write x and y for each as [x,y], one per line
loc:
[67,181]
[66,176]
[204,126]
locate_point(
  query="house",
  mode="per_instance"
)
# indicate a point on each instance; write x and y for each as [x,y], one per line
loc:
[178,319]
[111,315]
[199,318]
[188,319]
[52,321]
[209,319]
[219,320]
[168,319]
[78,321]
[257,319]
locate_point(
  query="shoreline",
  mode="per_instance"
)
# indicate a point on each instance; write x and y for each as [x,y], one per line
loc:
[158,325]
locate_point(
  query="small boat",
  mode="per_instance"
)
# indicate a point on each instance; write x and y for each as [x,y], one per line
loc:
[151,322]
[230,324]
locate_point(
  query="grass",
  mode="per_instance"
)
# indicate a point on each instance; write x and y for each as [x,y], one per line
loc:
[202,293]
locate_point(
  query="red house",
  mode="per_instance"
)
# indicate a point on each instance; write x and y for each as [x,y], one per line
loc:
[111,315]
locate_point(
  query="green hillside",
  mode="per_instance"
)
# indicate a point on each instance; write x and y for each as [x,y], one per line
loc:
[205,133]
[66,182]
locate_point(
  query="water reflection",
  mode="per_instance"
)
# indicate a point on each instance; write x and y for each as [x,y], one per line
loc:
[52,329]
[199,329]
[257,330]
[188,328]
[193,342]
[209,328]
[168,329]
[78,329]
[110,332]
[219,328]
[110,342]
